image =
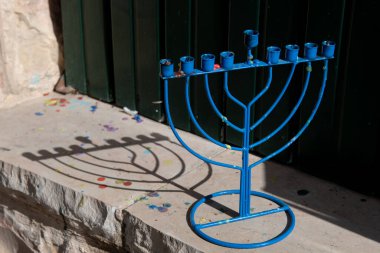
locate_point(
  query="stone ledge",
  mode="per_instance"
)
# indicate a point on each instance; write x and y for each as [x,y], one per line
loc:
[74,179]
[70,220]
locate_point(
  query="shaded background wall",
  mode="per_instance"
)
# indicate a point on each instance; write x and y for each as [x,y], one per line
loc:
[112,49]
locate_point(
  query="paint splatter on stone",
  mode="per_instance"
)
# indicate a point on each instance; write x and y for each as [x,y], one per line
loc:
[167,162]
[57,102]
[39,114]
[147,152]
[153,194]
[93,108]
[167,205]
[119,181]
[100,179]
[152,206]
[137,118]
[102,186]
[162,209]
[110,128]
[127,183]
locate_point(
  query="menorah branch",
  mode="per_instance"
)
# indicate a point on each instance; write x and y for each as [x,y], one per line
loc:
[171,124]
[283,124]
[308,121]
[195,121]
[220,115]
[262,92]
[266,114]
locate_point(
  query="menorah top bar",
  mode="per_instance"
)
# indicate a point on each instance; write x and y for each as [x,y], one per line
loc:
[251,40]
[244,65]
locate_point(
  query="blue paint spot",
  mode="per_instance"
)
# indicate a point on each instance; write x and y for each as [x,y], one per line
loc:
[147,152]
[167,205]
[93,108]
[137,118]
[153,194]
[162,209]
[152,207]
[39,114]
[36,79]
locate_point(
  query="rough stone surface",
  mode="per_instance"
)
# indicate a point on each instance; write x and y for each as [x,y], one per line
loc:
[48,217]
[30,55]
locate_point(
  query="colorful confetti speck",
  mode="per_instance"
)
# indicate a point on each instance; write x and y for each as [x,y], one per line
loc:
[167,205]
[167,162]
[57,101]
[137,118]
[119,181]
[152,207]
[101,179]
[147,152]
[93,108]
[202,220]
[110,128]
[102,186]
[162,209]
[127,183]
[153,194]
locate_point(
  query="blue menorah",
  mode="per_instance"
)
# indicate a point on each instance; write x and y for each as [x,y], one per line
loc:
[208,66]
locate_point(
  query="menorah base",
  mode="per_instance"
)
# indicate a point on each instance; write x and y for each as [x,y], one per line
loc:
[282,208]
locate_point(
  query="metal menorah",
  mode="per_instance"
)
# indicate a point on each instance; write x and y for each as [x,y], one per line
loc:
[209,67]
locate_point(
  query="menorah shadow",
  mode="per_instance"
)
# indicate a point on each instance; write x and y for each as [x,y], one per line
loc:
[61,156]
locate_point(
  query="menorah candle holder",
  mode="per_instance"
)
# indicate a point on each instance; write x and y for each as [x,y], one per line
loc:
[187,71]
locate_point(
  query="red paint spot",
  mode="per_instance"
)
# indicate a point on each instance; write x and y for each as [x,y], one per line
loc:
[101,178]
[127,183]
[46,94]
[102,186]
[216,66]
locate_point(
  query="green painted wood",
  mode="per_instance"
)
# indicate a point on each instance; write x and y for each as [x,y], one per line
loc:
[147,56]
[243,15]
[319,142]
[75,69]
[98,49]
[177,44]
[123,52]
[281,24]
[359,139]
[345,134]
[210,36]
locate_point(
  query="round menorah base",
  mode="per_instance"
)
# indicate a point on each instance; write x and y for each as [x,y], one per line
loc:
[282,208]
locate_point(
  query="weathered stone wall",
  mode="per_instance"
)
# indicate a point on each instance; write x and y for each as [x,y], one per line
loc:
[38,215]
[30,55]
